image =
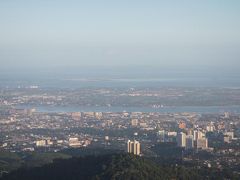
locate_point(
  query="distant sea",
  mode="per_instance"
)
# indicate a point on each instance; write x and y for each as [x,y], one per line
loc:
[175,109]
[136,76]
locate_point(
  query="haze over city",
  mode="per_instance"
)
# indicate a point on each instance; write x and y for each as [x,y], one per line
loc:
[170,34]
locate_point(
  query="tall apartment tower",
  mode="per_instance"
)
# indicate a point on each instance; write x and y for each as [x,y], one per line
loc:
[181,139]
[133,147]
[197,135]
[189,142]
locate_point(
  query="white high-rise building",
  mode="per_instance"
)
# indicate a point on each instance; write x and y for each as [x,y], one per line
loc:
[133,147]
[210,127]
[189,142]
[202,143]
[181,139]
[197,135]
[134,122]
[230,135]
[226,115]
[161,135]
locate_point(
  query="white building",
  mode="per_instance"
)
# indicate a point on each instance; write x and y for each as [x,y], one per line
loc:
[181,139]
[41,143]
[230,135]
[161,135]
[189,142]
[133,147]
[74,142]
[197,135]
[210,127]
[134,122]
[202,143]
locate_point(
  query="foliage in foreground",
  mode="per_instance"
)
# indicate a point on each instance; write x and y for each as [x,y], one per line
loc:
[112,166]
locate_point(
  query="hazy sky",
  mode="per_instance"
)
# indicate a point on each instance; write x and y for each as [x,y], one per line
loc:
[180,33]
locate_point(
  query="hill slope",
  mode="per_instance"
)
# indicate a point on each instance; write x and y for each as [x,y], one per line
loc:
[121,166]
[111,166]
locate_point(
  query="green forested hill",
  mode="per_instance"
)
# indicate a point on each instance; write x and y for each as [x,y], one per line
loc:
[111,166]
[116,166]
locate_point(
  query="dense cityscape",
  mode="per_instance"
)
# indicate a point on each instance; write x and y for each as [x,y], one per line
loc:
[119,90]
[201,139]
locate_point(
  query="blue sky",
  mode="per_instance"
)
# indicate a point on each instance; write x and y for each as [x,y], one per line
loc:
[57,33]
